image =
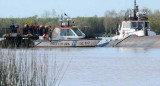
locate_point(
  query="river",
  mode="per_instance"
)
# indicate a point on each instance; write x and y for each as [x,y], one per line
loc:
[99,66]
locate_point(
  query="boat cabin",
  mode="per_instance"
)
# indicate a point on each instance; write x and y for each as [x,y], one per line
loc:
[140,27]
[135,24]
[67,33]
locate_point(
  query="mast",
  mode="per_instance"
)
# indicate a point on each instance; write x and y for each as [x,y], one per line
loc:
[135,4]
[135,10]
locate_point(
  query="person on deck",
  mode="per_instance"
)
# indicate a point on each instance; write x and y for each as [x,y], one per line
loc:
[35,26]
[46,29]
[25,29]
[45,35]
[41,30]
[31,29]
[17,29]
[12,27]
[50,32]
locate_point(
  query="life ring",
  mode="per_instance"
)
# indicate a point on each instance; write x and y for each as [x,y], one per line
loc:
[123,32]
[47,37]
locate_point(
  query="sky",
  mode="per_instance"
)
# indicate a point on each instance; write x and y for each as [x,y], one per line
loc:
[74,8]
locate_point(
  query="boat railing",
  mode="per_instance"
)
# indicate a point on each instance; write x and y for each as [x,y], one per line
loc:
[4,31]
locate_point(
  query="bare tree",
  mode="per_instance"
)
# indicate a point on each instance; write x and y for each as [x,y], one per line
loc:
[46,14]
[53,13]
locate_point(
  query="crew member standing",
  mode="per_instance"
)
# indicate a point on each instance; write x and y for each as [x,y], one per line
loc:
[35,29]
[50,32]
[12,27]
[18,29]
[46,29]
[46,36]
[41,30]
[31,28]
[25,29]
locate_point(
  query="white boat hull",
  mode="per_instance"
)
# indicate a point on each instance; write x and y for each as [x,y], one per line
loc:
[141,33]
[137,33]
[67,43]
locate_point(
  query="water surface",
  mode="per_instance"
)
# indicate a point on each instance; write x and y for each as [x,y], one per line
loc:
[80,67]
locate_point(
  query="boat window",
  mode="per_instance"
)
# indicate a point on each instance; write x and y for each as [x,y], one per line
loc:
[126,25]
[77,32]
[147,24]
[63,32]
[69,32]
[66,32]
[134,25]
[140,25]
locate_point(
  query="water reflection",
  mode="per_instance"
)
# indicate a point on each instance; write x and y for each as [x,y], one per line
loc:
[134,49]
[32,68]
[151,52]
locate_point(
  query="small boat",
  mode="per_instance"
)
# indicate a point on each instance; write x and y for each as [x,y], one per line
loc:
[67,35]
[136,24]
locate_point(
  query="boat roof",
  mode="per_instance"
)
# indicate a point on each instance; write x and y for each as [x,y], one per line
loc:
[134,21]
[66,27]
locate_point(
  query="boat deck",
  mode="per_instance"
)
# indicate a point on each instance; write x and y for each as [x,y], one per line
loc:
[67,43]
[135,41]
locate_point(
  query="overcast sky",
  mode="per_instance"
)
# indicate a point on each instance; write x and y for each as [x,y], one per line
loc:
[83,8]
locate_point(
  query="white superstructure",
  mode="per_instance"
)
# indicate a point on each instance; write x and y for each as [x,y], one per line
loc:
[135,25]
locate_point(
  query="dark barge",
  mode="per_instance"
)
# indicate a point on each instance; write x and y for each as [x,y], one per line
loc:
[14,40]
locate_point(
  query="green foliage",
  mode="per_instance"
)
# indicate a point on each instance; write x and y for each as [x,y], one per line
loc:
[5,22]
[154,19]
[91,26]
[112,19]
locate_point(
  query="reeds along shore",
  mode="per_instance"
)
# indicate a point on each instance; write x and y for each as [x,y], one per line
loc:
[28,67]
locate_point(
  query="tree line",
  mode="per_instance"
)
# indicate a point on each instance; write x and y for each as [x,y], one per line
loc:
[112,18]
[91,26]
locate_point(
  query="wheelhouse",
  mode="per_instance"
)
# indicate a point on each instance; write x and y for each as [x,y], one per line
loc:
[136,25]
[67,33]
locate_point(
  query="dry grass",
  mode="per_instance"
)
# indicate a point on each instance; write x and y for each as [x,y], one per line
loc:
[30,67]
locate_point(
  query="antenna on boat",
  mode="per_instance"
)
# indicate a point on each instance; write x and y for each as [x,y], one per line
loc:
[62,20]
[135,4]
[63,14]
[134,9]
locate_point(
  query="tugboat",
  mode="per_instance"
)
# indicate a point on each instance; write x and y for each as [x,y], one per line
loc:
[136,24]
[67,35]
